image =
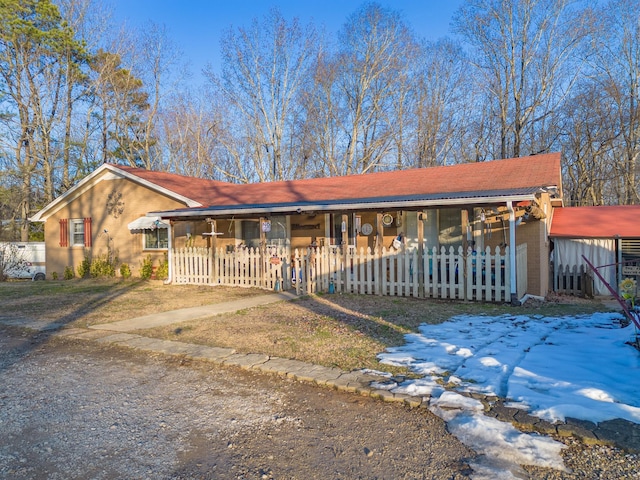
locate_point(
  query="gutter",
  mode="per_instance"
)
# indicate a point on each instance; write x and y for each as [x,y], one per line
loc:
[325,207]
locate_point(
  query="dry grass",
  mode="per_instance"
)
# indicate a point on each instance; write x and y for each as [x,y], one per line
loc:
[79,303]
[346,331]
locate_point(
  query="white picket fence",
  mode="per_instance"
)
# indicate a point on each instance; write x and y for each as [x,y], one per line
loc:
[448,274]
[245,267]
[192,266]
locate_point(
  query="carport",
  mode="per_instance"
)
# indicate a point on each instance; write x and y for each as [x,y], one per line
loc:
[609,236]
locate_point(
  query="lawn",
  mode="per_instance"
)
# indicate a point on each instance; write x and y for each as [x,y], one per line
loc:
[345,331]
[83,302]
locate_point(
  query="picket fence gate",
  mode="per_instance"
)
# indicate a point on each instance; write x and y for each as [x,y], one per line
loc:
[573,280]
[246,267]
[445,273]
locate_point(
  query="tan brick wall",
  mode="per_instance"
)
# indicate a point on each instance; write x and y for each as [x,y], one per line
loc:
[127,246]
[534,234]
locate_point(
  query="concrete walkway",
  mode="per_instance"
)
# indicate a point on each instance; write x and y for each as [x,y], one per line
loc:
[620,433]
[193,313]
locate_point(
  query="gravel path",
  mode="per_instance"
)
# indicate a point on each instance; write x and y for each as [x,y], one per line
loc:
[73,409]
[78,410]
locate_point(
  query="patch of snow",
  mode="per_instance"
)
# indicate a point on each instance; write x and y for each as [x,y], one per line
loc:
[551,367]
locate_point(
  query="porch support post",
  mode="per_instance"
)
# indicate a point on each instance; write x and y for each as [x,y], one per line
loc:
[512,253]
[344,228]
[379,233]
[466,244]
[618,267]
[263,253]
[419,269]
[213,252]
[170,253]
[345,286]
[555,270]
[327,229]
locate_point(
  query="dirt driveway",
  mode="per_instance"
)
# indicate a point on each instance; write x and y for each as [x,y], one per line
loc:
[70,409]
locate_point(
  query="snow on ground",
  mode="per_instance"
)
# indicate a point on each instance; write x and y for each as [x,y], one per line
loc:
[579,367]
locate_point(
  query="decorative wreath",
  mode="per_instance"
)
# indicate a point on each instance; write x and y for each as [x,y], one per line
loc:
[387,219]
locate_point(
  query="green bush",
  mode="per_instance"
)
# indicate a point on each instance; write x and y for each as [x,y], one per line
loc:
[125,271]
[54,275]
[84,269]
[147,268]
[102,267]
[163,269]
[68,273]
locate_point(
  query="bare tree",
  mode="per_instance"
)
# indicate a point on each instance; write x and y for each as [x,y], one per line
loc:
[588,148]
[616,71]
[524,58]
[189,132]
[122,103]
[372,74]
[440,104]
[38,60]
[263,70]
[158,65]
[322,126]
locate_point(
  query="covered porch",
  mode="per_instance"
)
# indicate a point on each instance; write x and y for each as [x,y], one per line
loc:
[453,252]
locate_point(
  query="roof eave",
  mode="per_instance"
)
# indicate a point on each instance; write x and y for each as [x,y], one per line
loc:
[326,207]
[52,207]
[90,180]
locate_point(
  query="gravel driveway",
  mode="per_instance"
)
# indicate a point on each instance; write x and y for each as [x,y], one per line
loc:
[70,409]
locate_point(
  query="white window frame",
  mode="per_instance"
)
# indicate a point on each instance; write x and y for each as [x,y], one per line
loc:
[76,223]
[155,231]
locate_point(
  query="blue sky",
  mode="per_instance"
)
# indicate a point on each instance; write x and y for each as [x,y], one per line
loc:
[196,25]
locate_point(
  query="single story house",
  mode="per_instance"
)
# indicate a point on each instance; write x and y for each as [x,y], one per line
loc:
[475,207]
[106,214]
[608,236]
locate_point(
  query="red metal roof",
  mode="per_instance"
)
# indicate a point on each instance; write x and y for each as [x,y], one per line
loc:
[502,176]
[596,222]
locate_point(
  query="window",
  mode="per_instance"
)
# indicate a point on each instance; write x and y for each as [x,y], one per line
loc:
[277,235]
[156,239]
[450,226]
[77,232]
[251,233]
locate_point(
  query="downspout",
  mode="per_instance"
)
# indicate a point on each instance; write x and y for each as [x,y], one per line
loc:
[169,254]
[618,267]
[512,254]
[555,267]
